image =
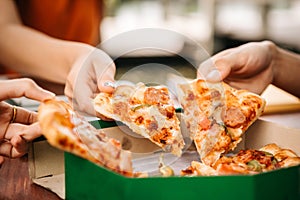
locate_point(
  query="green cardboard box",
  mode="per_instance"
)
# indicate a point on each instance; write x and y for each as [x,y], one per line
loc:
[86,180]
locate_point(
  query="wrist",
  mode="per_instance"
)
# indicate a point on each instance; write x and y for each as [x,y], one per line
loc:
[273,57]
[78,51]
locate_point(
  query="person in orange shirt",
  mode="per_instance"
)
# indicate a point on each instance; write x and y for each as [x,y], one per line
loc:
[55,41]
[18,126]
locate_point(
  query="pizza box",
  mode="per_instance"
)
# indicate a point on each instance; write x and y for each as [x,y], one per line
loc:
[72,177]
[85,180]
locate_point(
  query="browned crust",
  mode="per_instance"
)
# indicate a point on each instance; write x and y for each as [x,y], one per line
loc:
[56,119]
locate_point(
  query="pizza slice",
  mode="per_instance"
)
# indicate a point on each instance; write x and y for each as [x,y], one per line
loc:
[217,116]
[250,161]
[147,111]
[66,130]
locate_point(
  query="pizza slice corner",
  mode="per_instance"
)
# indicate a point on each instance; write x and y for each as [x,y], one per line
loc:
[217,115]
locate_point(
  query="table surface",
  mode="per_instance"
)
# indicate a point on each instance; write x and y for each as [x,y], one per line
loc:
[15,182]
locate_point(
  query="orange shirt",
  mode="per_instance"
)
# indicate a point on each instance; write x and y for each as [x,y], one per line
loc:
[75,20]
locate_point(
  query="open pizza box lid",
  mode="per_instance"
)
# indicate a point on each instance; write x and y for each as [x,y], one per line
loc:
[47,164]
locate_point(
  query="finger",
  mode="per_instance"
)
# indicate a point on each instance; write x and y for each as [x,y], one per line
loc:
[1,160]
[17,138]
[27,132]
[68,91]
[106,77]
[6,113]
[219,68]
[209,64]
[80,90]
[19,144]
[224,67]
[7,150]
[208,71]
[105,70]
[23,87]
[22,115]
[256,84]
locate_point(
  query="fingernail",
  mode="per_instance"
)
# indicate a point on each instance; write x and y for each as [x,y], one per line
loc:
[214,76]
[51,94]
[109,84]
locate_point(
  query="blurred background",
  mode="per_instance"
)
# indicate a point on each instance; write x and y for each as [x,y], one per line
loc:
[214,24]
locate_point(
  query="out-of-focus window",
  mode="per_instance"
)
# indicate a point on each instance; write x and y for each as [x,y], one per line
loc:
[191,18]
[277,20]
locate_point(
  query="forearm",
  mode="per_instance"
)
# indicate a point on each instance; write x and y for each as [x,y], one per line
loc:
[286,70]
[36,54]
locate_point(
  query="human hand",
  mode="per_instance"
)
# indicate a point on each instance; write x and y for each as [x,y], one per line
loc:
[87,77]
[245,67]
[18,126]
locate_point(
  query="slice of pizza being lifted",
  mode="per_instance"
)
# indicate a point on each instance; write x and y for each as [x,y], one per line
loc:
[68,131]
[217,116]
[147,111]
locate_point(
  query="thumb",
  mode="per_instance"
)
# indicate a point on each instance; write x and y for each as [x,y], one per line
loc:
[105,80]
[215,70]
[106,85]
[104,70]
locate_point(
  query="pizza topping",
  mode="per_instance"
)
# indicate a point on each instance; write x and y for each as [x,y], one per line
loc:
[156,96]
[254,165]
[248,161]
[139,120]
[190,96]
[163,136]
[136,107]
[124,91]
[168,111]
[252,156]
[233,117]
[151,125]
[188,171]
[215,94]
[121,109]
[164,170]
[205,123]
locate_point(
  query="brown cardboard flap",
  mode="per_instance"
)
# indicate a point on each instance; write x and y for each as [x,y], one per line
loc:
[46,167]
[42,152]
[280,101]
[263,132]
[54,183]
